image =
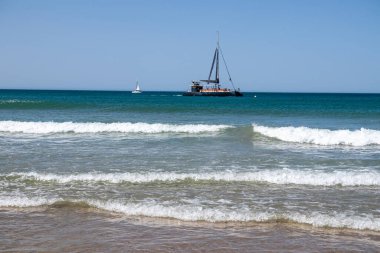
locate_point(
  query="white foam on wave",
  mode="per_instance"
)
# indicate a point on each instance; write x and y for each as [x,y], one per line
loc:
[338,220]
[280,176]
[180,212]
[209,214]
[98,127]
[23,201]
[317,136]
[221,214]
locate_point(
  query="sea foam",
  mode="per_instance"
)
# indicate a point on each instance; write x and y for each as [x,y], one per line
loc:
[23,201]
[98,127]
[221,214]
[317,136]
[209,214]
[278,176]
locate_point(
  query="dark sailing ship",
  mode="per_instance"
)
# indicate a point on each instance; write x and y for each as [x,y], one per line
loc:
[212,87]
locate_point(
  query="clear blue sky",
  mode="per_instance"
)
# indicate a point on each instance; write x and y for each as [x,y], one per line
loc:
[302,46]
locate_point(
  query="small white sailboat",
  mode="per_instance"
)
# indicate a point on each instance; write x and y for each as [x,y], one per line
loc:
[137,89]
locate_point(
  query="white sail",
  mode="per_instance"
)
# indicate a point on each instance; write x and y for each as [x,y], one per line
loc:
[137,90]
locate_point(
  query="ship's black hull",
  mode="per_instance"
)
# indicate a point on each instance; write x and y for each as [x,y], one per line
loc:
[214,94]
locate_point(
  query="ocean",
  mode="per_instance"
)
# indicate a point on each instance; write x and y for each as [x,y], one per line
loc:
[103,171]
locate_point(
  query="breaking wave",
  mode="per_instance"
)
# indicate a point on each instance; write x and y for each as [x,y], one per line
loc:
[220,214]
[98,127]
[281,176]
[317,136]
[22,201]
[196,213]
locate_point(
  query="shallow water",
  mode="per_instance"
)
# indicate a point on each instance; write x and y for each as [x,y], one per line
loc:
[68,230]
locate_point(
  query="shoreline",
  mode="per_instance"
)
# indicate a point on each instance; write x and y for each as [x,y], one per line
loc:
[85,208]
[66,229]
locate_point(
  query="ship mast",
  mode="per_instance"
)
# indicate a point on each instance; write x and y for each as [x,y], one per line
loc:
[215,62]
[217,65]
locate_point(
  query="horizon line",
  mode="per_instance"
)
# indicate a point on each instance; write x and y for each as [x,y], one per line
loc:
[250,91]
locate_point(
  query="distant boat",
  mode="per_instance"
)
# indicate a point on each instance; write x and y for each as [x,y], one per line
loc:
[212,87]
[137,89]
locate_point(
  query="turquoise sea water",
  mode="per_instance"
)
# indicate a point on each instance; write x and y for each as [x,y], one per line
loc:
[302,158]
[319,110]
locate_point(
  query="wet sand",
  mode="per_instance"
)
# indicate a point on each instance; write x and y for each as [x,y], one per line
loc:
[85,230]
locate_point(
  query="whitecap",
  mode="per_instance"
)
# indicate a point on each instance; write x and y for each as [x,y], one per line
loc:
[278,176]
[222,214]
[361,137]
[189,212]
[98,127]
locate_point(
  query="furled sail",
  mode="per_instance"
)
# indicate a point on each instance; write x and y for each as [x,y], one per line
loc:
[212,86]
[215,62]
